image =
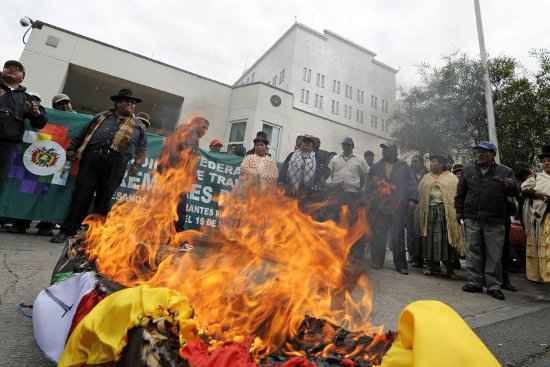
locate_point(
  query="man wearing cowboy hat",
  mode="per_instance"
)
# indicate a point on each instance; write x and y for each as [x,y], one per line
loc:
[104,148]
[481,204]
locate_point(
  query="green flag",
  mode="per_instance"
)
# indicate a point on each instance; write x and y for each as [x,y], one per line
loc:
[39,181]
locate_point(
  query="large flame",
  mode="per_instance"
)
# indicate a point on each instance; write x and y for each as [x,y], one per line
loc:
[265,268]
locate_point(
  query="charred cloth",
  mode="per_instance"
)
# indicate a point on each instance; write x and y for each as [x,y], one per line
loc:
[325,344]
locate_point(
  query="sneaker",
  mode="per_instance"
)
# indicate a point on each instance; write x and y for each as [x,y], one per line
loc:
[59,238]
[472,288]
[496,294]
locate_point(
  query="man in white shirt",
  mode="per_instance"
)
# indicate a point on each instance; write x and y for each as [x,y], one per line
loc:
[347,171]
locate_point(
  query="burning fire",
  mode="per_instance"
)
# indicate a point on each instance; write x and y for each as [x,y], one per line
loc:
[259,274]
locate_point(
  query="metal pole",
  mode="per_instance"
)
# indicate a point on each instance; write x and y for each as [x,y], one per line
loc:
[488,93]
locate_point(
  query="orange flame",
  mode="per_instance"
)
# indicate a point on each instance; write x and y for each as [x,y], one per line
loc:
[258,274]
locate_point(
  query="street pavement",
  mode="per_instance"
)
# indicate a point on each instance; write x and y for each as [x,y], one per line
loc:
[517,330]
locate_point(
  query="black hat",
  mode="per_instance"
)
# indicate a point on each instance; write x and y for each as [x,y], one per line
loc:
[261,139]
[125,94]
[261,134]
[309,138]
[15,63]
[545,152]
[458,168]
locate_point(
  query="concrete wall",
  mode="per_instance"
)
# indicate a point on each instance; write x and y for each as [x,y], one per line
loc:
[252,103]
[47,68]
[279,57]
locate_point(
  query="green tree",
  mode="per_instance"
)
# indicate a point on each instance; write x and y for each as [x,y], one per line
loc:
[446,112]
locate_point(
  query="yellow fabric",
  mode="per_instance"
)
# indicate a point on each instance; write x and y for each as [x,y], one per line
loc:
[431,334]
[447,183]
[537,254]
[101,335]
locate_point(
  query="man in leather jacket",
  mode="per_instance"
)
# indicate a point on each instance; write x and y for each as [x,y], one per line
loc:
[481,204]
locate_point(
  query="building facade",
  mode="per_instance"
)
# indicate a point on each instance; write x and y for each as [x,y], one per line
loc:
[307,82]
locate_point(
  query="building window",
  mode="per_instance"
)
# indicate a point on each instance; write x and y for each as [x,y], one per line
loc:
[372,101]
[237,133]
[282,76]
[303,96]
[318,101]
[275,81]
[307,75]
[349,91]
[374,122]
[335,107]
[307,97]
[322,81]
[318,80]
[273,133]
[246,80]
[360,96]
[375,103]
[336,85]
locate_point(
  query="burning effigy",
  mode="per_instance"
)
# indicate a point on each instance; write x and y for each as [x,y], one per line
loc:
[268,287]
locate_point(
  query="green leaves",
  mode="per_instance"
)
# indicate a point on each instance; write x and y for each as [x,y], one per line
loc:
[447,111]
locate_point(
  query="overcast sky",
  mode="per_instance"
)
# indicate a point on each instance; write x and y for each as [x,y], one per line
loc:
[220,38]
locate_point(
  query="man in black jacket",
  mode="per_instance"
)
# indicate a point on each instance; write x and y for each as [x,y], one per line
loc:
[481,204]
[16,105]
[394,195]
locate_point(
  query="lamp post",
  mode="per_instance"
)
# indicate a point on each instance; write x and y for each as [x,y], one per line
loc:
[28,23]
[488,92]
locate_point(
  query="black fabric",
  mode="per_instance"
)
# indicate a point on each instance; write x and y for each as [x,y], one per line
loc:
[14,109]
[7,148]
[484,196]
[392,226]
[402,177]
[100,172]
[321,172]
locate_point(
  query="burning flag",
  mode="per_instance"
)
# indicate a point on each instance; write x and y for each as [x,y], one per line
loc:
[270,276]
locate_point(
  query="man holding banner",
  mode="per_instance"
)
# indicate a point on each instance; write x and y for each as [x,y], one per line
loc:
[103,150]
[16,105]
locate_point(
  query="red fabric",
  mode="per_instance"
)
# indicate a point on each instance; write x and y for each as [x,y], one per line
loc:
[347,363]
[297,362]
[87,303]
[517,235]
[229,355]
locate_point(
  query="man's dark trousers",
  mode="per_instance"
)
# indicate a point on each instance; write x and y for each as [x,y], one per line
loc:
[101,171]
[484,241]
[7,149]
[382,226]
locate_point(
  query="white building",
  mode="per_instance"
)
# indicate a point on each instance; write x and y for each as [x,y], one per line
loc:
[307,82]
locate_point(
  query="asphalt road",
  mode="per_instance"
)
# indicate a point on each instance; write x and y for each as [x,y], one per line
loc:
[517,330]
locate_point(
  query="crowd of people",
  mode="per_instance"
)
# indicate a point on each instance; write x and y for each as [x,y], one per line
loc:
[430,219]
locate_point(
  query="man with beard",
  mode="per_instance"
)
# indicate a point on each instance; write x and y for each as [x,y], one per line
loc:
[481,203]
[104,148]
[394,192]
